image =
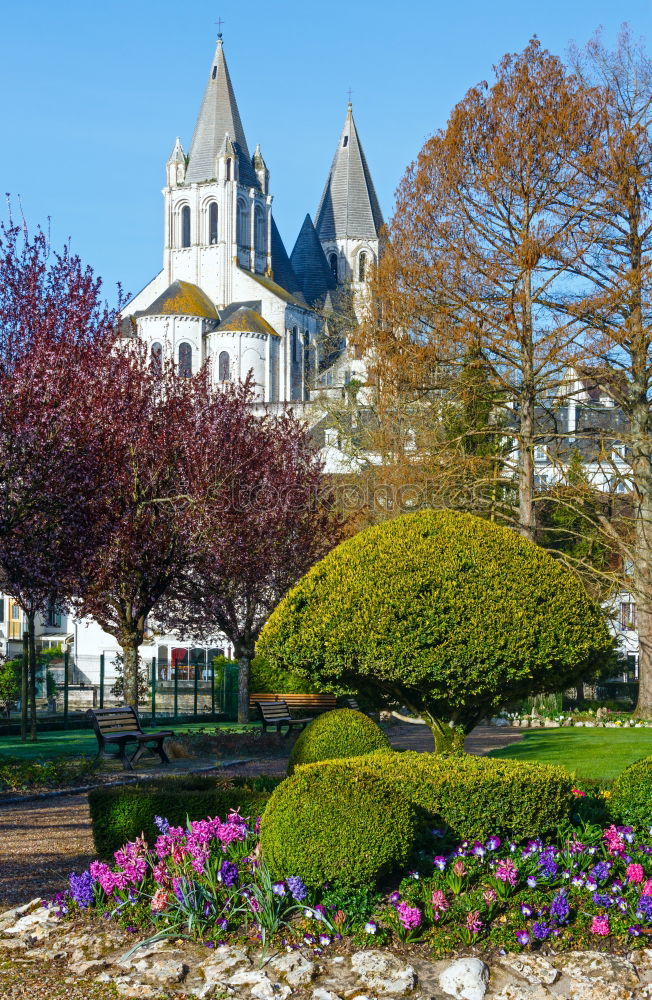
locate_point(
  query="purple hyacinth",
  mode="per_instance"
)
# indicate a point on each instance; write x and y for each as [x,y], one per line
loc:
[81,889]
[162,825]
[540,930]
[644,909]
[228,874]
[297,888]
[602,899]
[601,871]
[559,908]
[548,866]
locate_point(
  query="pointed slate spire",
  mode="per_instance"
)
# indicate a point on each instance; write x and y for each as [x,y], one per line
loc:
[310,265]
[349,205]
[177,155]
[218,116]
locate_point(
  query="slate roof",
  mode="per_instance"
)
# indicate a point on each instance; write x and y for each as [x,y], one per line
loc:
[349,206]
[310,265]
[283,271]
[181,298]
[246,320]
[218,117]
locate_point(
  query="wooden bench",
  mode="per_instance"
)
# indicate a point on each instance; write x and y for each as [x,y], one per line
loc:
[276,714]
[119,727]
[315,703]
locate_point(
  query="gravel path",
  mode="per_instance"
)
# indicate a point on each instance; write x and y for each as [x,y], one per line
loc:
[42,841]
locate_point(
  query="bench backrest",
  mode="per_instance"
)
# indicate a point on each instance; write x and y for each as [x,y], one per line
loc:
[114,720]
[272,711]
[302,702]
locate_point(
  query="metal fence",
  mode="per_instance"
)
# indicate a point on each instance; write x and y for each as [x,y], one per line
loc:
[180,691]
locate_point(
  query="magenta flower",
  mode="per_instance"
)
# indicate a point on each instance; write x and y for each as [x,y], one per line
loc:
[612,838]
[506,871]
[473,923]
[410,916]
[489,896]
[439,903]
[459,869]
[600,925]
[635,874]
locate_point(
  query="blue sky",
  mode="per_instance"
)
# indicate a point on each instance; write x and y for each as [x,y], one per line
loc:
[93,96]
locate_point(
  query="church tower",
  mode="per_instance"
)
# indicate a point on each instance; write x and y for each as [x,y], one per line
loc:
[217,201]
[349,219]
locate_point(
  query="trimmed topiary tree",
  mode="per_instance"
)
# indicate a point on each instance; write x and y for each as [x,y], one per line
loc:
[341,733]
[631,794]
[328,822]
[443,612]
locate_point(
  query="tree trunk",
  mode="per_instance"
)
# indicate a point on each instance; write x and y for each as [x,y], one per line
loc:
[31,638]
[526,514]
[244,657]
[448,738]
[130,662]
[24,688]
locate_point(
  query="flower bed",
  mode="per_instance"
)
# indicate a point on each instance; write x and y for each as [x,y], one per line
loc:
[17,774]
[591,886]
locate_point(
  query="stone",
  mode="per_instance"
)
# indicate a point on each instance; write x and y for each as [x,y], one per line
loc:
[465,979]
[36,924]
[588,966]
[383,972]
[8,917]
[322,994]
[260,985]
[226,958]
[521,991]
[524,723]
[536,969]
[500,721]
[550,724]
[294,968]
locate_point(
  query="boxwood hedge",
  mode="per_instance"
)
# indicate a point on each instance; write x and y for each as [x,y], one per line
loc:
[341,733]
[631,794]
[122,813]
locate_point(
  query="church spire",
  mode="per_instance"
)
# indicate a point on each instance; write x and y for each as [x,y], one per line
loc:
[349,206]
[218,116]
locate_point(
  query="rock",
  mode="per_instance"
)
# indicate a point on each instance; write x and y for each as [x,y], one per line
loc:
[36,924]
[589,966]
[536,969]
[322,994]
[550,724]
[260,985]
[466,979]
[567,722]
[383,972]
[8,917]
[226,959]
[294,968]
[87,968]
[499,721]
[520,991]
[524,723]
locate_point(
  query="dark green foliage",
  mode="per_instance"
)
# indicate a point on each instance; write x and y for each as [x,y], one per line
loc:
[479,796]
[268,678]
[631,794]
[441,610]
[17,773]
[120,814]
[10,674]
[341,733]
[337,821]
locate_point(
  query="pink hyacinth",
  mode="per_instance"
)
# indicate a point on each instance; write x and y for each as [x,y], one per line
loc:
[489,896]
[635,874]
[410,916]
[506,871]
[161,874]
[459,869]
[473,922]
[439,903]
[647,888]
[600,925]
[614,841]
[159,901]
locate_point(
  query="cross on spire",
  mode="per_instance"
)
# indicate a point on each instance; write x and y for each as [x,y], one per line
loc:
[350,93]
[219,24]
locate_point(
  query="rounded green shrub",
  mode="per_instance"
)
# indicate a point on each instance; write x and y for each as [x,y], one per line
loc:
[337,821]
[268,678]
[631,794]
[479,796]
[445,611]
[341,733]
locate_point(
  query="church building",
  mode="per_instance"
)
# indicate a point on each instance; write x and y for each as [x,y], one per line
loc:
[228,291]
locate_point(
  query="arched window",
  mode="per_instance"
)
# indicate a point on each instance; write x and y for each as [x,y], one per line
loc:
[332,260]
[243,224]
[156,358]
[259,229]
[212,222]
[362,266]
[224,366]
[228,169]
[185,361]
[185,226]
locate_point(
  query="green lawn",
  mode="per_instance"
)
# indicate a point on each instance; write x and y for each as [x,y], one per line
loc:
[74,742]
[588,753]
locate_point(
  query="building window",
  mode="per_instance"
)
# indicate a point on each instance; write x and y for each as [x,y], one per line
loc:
[259,229]
[243,224]
[362,266]
[296,348]
[2,609]
[224,366]
[185,226]
[53,616]
[345,141]
[212,223]
[228,170]
[156,358]
[185,361]
[15,612]
[628,615]
[332,260]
